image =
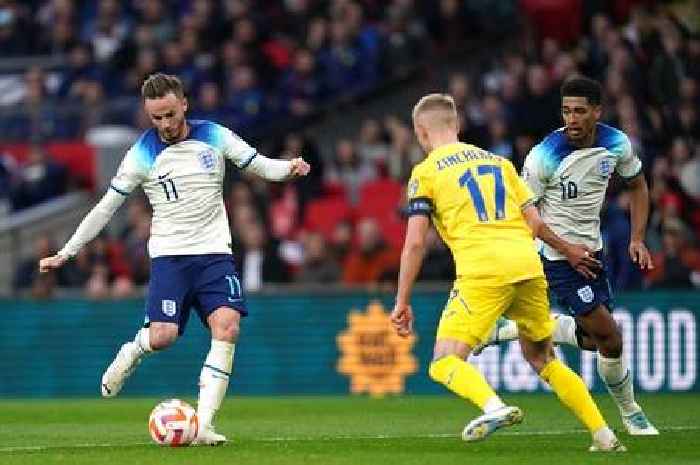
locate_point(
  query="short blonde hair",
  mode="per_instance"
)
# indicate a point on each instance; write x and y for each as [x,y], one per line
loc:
[443,104]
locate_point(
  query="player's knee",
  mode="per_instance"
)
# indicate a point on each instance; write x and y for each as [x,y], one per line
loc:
[226,329]
[610,345]
[538,354]
[162,337]
[227,332]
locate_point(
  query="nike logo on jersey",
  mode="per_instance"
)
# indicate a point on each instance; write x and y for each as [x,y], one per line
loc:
[163,176]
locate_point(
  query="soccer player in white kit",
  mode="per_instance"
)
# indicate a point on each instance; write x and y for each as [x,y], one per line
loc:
[569,173]
[180,165]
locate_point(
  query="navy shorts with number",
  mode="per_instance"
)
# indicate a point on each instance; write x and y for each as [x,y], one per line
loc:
[577,294]
[180,282]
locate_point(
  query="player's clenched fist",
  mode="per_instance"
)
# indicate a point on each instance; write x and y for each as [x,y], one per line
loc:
[51,263]
[402,319]
[299,167]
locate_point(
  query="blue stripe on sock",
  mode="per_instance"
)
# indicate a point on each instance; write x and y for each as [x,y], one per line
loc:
[217,370]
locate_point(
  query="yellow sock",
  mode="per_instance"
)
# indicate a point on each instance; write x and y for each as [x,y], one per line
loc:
[573,393]
[463,379]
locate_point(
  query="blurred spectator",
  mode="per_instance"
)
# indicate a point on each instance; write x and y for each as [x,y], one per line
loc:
[58,38]
[110,275]
[615,222]
[403,152]
[372,260]
[153,14]
[208,104]
[80,69]
[500,143]
[346,65]
[27,272]
[246,99]
[258,258]
[302,87]
[318,266]
[136,249]
[438,264]
[38,180]
[349,170]
[674,265]
[341,241]
[107,30]
[372,145]
[15,30]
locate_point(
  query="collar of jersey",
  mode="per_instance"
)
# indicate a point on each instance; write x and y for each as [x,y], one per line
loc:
[446,149]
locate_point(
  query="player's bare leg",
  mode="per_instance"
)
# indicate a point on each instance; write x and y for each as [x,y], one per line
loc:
[613,369]
[157,336]
[213,380]
[571,391]
[450,369]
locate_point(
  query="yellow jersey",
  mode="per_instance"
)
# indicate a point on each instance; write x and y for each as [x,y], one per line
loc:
[476,200]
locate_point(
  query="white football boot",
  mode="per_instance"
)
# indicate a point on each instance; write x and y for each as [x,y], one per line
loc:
[481,427]
[637,424]
[124,364]
[608,443]
[206,436]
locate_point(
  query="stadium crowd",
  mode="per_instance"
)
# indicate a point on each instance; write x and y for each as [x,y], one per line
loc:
[252,64]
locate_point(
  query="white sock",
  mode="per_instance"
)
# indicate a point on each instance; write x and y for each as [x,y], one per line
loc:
[564,330]
[618,379]
[213,380]
[507,332]
[493,404]
[143,341]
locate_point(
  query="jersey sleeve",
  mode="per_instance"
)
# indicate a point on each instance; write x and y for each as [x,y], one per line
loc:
[533,174]
[132,172]
[629,165]
[420,193]
[521,191]
[234,148]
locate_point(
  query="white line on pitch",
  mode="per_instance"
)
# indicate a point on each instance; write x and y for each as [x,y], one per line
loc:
[328,438]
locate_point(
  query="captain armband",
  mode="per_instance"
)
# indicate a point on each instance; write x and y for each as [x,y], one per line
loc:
[420,206]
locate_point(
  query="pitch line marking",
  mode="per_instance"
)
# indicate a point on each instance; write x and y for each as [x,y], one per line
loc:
[327,438]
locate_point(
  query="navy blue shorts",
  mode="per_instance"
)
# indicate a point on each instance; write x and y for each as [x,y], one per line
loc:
[577,294]
[180,282]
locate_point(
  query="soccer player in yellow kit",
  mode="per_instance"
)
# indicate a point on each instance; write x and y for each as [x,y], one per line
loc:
[485,214]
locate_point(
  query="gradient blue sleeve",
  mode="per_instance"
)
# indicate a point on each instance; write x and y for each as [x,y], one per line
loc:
[133,171]
[234,148]
[628,165]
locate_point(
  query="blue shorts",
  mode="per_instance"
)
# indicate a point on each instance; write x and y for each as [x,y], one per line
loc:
[180,282]
[577,294]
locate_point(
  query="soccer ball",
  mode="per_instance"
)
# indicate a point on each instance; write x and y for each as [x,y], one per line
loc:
[173,423]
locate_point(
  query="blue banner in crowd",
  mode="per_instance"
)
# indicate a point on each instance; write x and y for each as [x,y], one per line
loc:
[316,344]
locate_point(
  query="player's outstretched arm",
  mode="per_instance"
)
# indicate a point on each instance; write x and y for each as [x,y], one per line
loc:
[639,214]
[278,170]
[90,227]
[579,256]
[411,261]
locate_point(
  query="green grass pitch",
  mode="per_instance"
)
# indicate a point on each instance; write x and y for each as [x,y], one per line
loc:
[404,430]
